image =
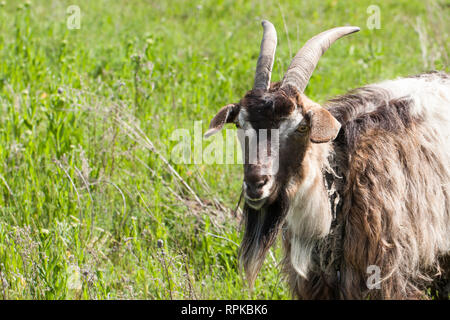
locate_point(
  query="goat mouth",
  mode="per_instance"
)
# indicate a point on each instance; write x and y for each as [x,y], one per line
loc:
[256,203]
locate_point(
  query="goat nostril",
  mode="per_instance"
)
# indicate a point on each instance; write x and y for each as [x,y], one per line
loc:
[261,184]
[255,188]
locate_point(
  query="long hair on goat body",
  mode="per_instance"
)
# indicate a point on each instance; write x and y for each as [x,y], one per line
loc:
[392,175]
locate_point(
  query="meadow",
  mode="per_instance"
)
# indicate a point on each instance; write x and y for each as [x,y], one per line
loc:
[91,204]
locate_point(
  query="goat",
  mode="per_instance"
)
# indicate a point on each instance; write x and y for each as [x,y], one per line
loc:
[363,181]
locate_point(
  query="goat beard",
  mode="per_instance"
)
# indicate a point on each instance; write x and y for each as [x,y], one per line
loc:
[261,229]
[305,218]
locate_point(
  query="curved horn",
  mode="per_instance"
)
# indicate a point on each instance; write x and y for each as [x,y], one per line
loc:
[305,61]
[266,56]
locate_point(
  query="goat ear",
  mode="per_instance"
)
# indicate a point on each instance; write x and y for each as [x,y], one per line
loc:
[226,114]
[324,127]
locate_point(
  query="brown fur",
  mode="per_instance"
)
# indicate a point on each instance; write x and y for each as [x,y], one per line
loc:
[392,184]
[378,195]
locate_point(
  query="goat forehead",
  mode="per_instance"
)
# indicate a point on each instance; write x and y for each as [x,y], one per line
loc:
[285,124]
[268,116]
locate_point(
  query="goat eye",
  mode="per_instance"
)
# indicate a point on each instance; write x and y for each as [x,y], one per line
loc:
[302,129]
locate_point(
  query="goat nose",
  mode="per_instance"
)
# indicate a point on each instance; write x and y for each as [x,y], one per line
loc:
[254,188]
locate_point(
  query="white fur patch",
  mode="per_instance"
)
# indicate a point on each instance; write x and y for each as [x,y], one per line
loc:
[290,125]
[309,215]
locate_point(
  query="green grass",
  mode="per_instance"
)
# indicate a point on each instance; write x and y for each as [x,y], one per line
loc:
[85,125]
